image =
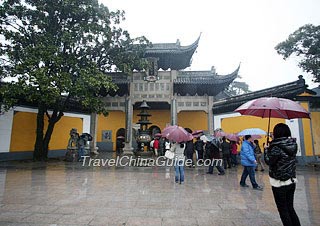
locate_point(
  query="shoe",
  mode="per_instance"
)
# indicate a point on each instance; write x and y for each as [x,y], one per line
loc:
[244,185]
[182,182]
[177,181]
[262,170]
[255,169]
[258,188]
[221,174]
[209,173]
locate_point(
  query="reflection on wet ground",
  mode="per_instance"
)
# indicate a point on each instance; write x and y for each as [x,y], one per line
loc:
[62,193]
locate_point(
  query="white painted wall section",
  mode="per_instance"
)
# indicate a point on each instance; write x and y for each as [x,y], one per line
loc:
[6,120]
[294,128]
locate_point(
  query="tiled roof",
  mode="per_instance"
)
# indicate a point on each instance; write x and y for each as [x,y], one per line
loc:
[288,90]
[202,82]
[172,55]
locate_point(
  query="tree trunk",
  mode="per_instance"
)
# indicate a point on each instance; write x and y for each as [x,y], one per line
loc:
[42,141]
[38,154]
[47,138]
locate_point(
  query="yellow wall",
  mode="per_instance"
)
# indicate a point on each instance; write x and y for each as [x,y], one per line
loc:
[61,132]
[158,118]
[195,120]
[114,121]
[239,123]
[315,117]
[307,132]
[24,132]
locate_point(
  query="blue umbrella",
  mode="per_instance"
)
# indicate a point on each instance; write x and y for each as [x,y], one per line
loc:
[252,131]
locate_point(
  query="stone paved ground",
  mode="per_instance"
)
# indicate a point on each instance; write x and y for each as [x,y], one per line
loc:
[60,193]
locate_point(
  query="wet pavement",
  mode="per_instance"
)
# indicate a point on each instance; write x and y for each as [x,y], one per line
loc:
[66,193]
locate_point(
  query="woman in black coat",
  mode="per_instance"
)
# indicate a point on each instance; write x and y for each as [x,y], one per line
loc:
[281,158]
[189,152]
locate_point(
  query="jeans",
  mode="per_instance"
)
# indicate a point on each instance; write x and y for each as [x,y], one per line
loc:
[80,153]
[283,196]
[179,171]
[248,170]
[215,163]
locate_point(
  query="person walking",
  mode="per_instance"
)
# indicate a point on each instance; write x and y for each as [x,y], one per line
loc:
[189,150]
[234,153]
[178,150]
[281,158]
[213,153]
[248,161]
[258,154]
[199,149]
[226,151]
[161,146]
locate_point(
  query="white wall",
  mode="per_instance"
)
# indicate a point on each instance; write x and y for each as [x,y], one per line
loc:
[5,130]
[295,132]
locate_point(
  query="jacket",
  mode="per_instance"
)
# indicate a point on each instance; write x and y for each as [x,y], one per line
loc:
[199,145]
[257,150]
[247,154]
[281,158]
[226,148]
[234,149]
[212,150]
[189,148]
[178,151]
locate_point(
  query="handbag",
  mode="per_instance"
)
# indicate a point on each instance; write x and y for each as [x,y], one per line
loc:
[169,154]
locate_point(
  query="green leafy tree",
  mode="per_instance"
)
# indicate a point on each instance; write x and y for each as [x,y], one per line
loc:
[56,52]
[305,43]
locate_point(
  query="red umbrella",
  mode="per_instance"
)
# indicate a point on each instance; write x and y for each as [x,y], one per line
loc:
[197,132]
[233,137]
[157,135]
[177,134]
[168,128]
[220,134]
[267,107]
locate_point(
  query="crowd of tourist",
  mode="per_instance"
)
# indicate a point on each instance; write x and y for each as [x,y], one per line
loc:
[280,155]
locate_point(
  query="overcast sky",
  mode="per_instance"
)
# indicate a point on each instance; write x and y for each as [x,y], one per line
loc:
[233,31]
